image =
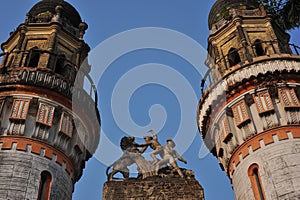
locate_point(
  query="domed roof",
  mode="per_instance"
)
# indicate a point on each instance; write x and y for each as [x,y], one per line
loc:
[68,12]
[221,4]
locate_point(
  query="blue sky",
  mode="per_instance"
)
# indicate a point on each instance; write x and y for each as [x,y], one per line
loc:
[164,79]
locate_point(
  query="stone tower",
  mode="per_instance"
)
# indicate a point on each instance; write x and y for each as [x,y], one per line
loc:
[249,114]
[49,124]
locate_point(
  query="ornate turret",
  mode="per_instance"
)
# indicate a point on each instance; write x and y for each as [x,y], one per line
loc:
[249,114]
[49,124]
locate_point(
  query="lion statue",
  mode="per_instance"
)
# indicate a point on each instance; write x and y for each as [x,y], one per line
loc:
[131,155]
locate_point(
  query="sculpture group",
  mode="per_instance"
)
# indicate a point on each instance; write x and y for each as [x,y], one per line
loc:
[132,153]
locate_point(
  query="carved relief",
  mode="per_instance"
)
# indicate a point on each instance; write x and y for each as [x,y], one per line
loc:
[240,113]
[45,114]
[265,108]
[44,121]
[65,131]
[242,119]
[225,132]
[2,101]
[18,116]
[19,109]
[41,132]
[291,104]
[288,97]
[40,43]
[217,140]
[66,125]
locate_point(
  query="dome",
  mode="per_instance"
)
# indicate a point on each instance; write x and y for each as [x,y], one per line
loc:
[69,12]
[221,4]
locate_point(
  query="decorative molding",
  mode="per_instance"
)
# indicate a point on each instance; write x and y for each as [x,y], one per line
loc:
[36,147]
[19,109]
[45,114]
[263,102]
[238,76]
[267,137]
[240,113]
[66,124]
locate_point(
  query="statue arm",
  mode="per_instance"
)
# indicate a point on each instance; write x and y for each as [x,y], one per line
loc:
[142,150]
[182,160]
[154,134]
[146,144]
[179,157]
[144,147]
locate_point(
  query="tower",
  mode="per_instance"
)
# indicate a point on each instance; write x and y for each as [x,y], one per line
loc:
[249,113]
[50,124]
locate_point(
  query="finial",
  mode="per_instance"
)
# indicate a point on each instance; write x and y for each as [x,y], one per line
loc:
[58,9]
[82,28]
[57,16]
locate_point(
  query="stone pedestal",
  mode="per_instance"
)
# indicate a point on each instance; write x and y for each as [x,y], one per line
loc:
[153,188]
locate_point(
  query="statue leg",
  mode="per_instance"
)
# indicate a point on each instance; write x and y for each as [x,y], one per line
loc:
[153,154]
[111,175]
[175,166]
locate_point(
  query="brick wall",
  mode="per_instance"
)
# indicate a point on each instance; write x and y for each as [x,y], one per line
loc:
[153,188]
[20,174]
[279,167]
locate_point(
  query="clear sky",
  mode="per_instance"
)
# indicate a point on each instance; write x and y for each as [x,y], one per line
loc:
[146,78]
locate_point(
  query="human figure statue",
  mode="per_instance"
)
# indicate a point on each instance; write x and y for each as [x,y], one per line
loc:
[131,155]
[169,155]
[153,143]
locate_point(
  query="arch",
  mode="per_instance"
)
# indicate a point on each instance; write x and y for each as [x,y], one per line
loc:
[254,176]
[60,62]
[70,72]
[34,57]
[258,48]
[45,186]
[233,57]
[221,152]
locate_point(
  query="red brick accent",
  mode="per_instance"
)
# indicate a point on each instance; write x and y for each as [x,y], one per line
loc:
[255,146]
[49,154]
[254,142]
[268,138]
[282,136]
[21,146]
[7,145]
[36,146]
[296,134]
[245,152]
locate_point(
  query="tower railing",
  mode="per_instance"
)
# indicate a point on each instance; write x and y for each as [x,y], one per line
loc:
[91,91]
[221,66]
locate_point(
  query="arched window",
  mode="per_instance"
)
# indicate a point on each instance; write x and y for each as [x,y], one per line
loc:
[69,73]
[59,68]
[34,57]
[233,57]
[258,48]
[254,175]
[45,186]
